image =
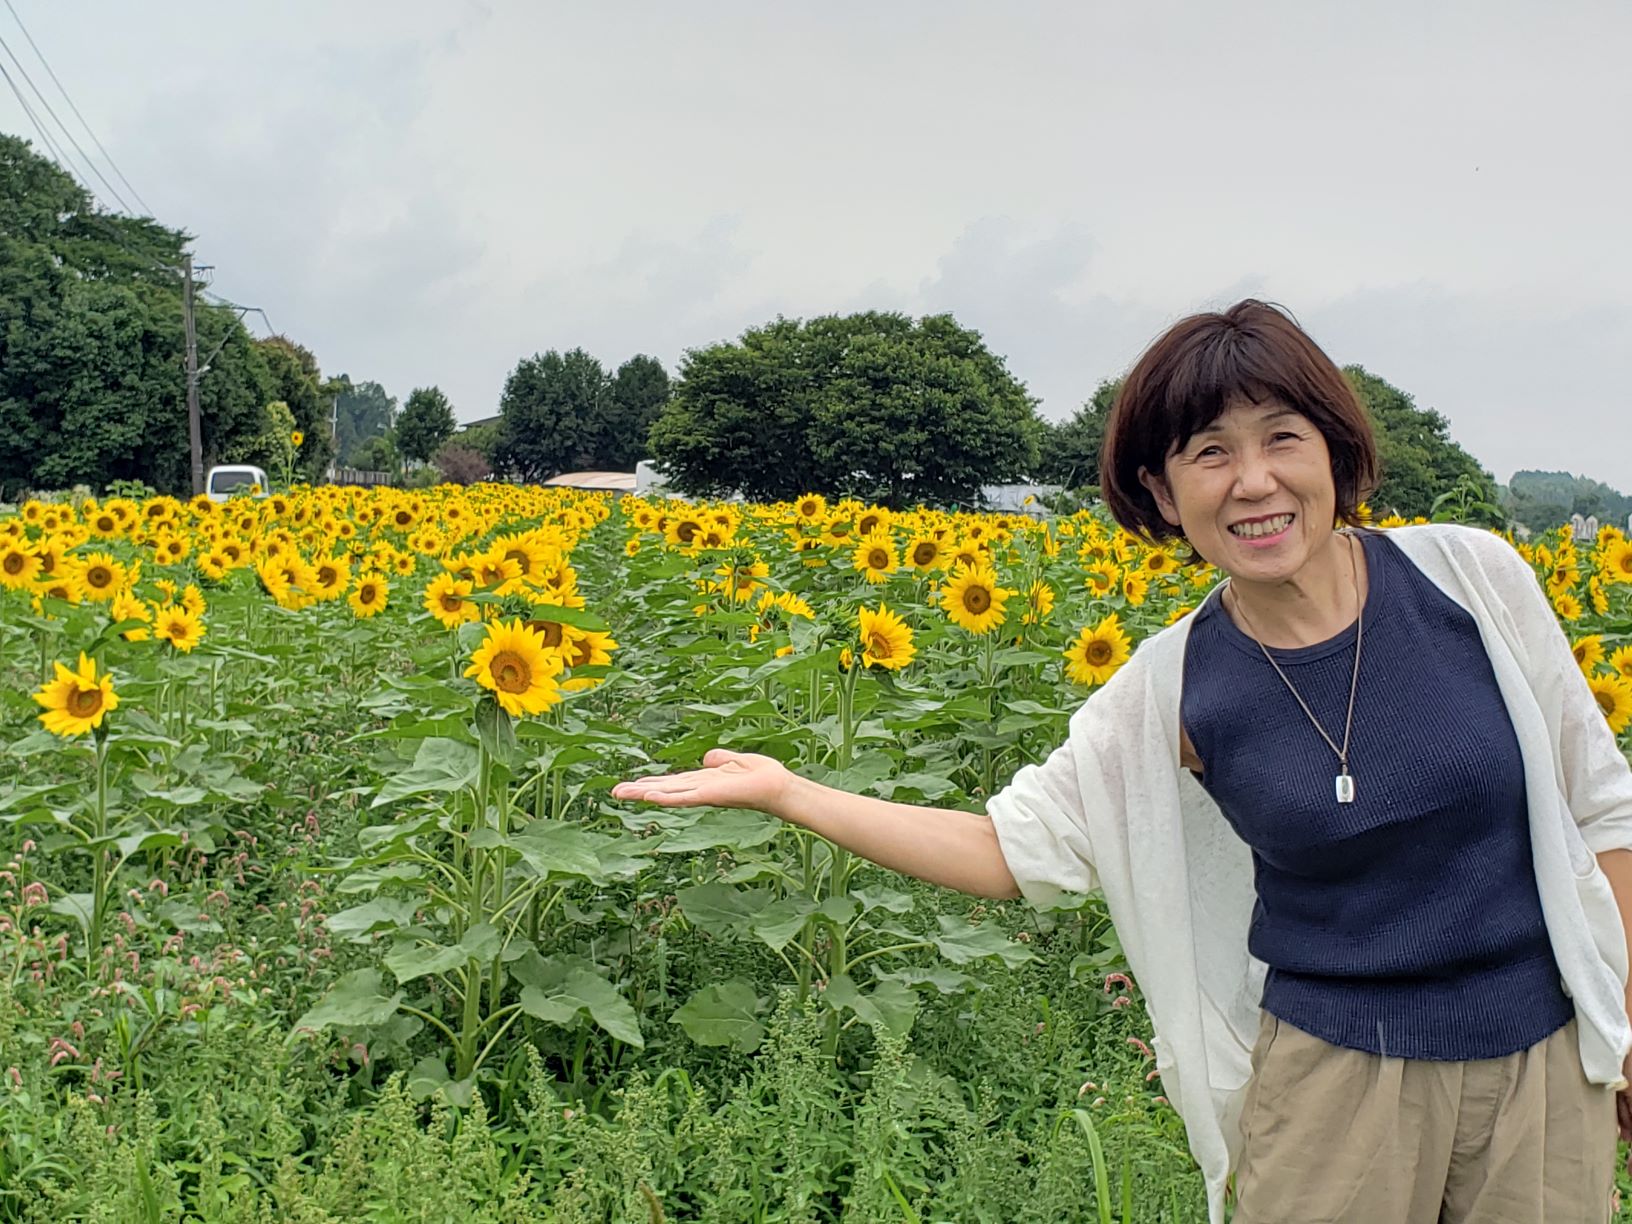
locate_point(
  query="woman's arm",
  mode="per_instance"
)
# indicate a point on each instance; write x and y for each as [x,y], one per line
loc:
[951,848]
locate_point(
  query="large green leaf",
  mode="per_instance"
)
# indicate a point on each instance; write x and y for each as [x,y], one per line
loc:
[585,991]
[777,923]
[722,1015]
[961,943]
[356,1000]
[731,828]
[721,908]
[889,1005]
[356,924]
[440,765]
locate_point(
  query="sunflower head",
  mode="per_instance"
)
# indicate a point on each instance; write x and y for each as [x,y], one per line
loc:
[369,595]
[180,626]
[76,701]
[886,640]
[1097,653]
[1614,697]
[513,664]
[974,600]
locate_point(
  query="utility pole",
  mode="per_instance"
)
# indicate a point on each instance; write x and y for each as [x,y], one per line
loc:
[195,434]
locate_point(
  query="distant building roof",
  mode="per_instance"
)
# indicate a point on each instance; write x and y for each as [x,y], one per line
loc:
[617,482]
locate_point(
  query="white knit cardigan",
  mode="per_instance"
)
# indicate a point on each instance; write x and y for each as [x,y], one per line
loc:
[1113,809]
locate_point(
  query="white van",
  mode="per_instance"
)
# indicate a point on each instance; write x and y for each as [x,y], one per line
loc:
[235,480]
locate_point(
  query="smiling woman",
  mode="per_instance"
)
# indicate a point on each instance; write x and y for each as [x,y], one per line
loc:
[1388,992]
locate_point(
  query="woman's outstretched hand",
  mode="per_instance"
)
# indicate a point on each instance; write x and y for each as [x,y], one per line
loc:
[727,779]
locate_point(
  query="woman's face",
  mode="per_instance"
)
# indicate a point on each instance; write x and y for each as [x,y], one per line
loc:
[1253,492]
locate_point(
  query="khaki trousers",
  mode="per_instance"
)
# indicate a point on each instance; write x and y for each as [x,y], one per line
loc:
[1333,1135]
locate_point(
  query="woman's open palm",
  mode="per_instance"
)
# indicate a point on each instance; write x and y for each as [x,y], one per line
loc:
[727,779]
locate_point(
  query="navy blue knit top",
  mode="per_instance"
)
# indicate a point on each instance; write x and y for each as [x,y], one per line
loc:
[1408,922]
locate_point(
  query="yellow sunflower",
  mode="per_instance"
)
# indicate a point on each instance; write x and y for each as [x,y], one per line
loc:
[101,577]
[1102,577]
[1617,561]
[886,639]
[1621,661]
[1097,653]
[1039,603]
[513,664]
[1567,605]
[179,626]
[811,508]
[875,558]
[924,553]
[369,595]
[330,577]
[19,567]
[1588,652]
[1614,694]
[1135,586]
[974,600]
[129,608]
[448,599]
[76,701]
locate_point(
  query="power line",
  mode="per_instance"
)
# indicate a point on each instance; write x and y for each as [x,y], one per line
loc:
[45,139]
[112,190]
[64,91]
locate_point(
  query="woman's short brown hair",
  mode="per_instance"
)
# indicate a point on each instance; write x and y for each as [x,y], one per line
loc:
[1194,371]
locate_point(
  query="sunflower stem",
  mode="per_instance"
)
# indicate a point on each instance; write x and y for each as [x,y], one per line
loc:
[99,856]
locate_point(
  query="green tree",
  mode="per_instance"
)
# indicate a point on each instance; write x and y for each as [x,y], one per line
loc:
[874,405]
[92,388]
[363,411]
[635,398]
[1069,451]
[1543,500]
[426,421]
[551,415]
[297,381]
[1419,460]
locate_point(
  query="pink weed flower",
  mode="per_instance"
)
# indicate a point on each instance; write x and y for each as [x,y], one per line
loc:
[1119,980]
[1141,1047]
[34,894]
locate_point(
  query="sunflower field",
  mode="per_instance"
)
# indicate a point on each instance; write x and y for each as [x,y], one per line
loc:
[314,904]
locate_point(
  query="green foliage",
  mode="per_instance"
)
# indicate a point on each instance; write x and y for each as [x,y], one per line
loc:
[1543,500]
[564,413]
[298,383]
[91,373]
[425,423]
[872,405]
[636,397]
[483,439]
[1069,452]
[364,414]
[1419,460]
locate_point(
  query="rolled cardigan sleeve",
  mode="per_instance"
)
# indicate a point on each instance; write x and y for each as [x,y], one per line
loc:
[1595,775]
[1042,827]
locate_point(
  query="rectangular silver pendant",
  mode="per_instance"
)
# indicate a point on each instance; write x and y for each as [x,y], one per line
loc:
[1345,788]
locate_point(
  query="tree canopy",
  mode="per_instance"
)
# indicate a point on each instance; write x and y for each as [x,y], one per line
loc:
[874,405]
[562,412]
[1419,459]
[363,413]
[1070,448]
[1542,500]
[425,423]
[92,383]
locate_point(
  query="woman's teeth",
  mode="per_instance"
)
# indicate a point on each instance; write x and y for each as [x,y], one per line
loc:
[1265,527]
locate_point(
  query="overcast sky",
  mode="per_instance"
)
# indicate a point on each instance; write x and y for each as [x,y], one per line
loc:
[426,191]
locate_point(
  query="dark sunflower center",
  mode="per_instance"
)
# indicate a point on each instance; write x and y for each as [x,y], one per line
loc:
[1606,702]
[511,672]
[14,562]
[686,531]
[550,630]
[977,599]
[105,525]
[452,603]
[923,554]
[1098,652]
[98,576]
[82,703]
[878,559]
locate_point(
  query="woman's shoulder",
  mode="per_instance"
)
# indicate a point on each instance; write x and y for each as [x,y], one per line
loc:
[1451,537]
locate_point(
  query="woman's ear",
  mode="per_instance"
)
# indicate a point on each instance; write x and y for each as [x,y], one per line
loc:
[1157,487]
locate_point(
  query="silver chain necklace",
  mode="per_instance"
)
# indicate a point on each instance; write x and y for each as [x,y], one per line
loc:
[1343,784]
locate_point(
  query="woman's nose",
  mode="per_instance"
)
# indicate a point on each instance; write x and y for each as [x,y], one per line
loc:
[1254,478]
